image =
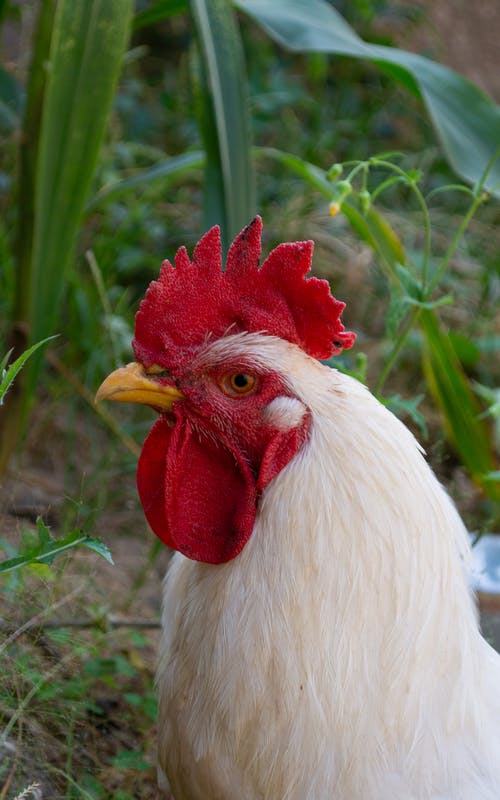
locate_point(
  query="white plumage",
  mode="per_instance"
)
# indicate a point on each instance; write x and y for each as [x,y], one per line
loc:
[338,657]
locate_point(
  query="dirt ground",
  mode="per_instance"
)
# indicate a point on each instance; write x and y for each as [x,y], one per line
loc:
[458,33]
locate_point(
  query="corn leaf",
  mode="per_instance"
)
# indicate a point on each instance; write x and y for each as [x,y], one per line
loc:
[466,121]
[87,46]
[465,425]
[229,179]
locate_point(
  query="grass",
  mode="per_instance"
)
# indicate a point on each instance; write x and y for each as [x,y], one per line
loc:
[78,641]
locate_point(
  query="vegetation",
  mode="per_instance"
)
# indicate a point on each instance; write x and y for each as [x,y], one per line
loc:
[150,124]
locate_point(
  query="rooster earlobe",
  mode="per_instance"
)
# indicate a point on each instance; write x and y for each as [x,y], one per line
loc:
[208,252]
[244,253]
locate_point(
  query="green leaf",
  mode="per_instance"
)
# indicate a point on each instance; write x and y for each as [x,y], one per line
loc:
[8,376]
[492,476]
[447,300]
[374,229]
[466,428]
[127,759]
[315,176]
[371,226]
[360,367]
[88,42]
[400,406]
[489,344]
[410,284]
[173,167]
[47,548]
[159,11]
[10,102]
[228,146]
[44,537]
[468,353]
[99,547]
[466,122]
[395,313]
[4,362]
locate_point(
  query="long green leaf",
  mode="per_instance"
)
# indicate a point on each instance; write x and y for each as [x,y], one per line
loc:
[466,427]
[8,376]
[224,74]
[173,167]
[45,551]
[88,42]
[467,123]
[159,11]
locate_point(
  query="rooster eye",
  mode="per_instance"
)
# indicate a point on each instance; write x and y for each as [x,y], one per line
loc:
[238,384]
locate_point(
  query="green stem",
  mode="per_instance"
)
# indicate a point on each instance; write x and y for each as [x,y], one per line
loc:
[421,201]
[478,199]
[403,336]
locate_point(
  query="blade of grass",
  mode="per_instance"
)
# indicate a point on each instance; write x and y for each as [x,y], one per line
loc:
[14,369]
[173,167]
[467,429]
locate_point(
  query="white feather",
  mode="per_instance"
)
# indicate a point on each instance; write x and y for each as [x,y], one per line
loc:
[338,657]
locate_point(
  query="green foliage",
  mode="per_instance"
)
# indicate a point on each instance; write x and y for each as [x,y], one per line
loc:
[8,373]
[414,302]
[46,549]
[78,52]
[467,429]
[86,51]
[223,118]
[470,140]
[413,299]
[158,12]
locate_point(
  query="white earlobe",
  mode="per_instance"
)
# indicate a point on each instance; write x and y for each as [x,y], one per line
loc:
[284,413]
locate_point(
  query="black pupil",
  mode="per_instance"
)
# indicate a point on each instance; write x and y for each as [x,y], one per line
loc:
[240,381]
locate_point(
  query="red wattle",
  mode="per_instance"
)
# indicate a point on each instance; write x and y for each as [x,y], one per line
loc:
[198,497]
[199,493]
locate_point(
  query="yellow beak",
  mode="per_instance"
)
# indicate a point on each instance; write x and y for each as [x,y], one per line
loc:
[132,384]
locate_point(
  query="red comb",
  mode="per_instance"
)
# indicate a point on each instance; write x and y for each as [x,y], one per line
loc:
[196,300]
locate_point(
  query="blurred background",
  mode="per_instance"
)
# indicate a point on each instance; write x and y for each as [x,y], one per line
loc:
[126,130]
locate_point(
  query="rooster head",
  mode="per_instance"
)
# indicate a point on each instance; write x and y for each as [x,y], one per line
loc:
[229,421]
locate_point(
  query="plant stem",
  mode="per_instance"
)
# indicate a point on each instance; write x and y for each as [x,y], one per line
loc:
[423,206]
[478,199]
[396,350]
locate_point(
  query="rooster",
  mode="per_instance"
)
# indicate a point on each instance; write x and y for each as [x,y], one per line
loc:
[320,641]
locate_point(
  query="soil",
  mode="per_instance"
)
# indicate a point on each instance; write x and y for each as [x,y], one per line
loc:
[463,35]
